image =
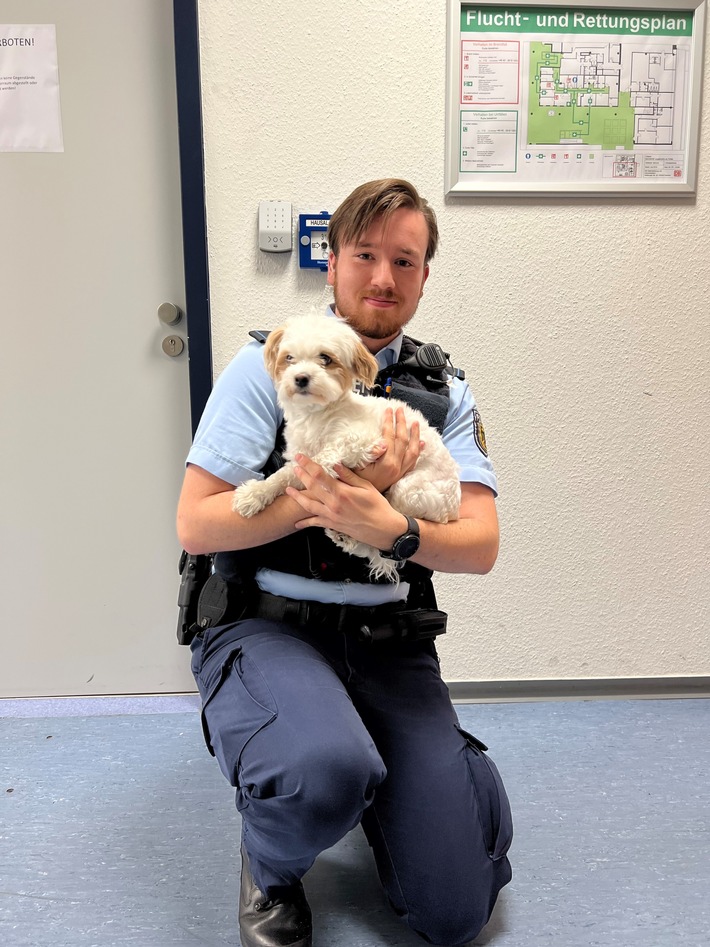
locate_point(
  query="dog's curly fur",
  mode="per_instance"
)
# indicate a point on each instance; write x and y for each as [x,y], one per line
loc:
[315,361]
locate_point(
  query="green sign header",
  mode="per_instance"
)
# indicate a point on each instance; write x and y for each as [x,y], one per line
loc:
[489,19]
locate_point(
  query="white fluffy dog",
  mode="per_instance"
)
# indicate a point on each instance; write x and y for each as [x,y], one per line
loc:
[315,361]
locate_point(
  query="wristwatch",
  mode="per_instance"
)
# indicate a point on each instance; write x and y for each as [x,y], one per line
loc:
[405,545]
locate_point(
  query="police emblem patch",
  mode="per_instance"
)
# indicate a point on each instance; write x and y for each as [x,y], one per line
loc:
[478,433]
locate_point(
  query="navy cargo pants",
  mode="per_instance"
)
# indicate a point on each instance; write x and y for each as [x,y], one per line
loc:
[318,732]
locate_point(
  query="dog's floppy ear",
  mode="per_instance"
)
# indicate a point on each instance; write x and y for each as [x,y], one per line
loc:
[271,350]
[365,367]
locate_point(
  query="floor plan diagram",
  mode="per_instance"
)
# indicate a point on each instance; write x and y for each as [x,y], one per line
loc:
[613,95]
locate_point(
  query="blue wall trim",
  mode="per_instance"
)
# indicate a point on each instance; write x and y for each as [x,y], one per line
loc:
[194,222]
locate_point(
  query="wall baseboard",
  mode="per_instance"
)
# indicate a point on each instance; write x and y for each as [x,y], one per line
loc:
[613,688]
[594,688]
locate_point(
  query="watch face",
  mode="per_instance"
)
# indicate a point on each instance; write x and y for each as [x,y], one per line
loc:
[406,546]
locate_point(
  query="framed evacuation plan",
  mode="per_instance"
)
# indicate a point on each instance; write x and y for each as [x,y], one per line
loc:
[578,98]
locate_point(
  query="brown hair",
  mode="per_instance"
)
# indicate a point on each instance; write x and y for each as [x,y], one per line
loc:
[378,199]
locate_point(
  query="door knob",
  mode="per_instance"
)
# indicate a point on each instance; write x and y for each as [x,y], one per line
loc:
[169,314]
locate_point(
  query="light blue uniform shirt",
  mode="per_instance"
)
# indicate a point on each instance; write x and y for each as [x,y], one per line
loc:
[237,433]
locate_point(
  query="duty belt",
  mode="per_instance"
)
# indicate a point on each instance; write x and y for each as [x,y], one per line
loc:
[369,623]
[222,602]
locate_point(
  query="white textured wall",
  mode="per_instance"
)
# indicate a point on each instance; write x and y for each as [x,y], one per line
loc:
[582,323]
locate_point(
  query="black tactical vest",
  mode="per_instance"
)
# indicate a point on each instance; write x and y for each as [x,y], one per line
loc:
[309,552]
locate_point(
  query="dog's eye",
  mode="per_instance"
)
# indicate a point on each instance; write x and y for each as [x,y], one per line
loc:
[326,359]
[288,358]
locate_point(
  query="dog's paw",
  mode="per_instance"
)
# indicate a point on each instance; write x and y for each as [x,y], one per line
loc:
[251,498]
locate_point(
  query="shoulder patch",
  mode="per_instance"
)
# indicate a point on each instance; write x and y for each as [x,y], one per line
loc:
[478,432]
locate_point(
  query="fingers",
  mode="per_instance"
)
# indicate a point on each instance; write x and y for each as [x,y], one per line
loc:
[313,477]
[398,454]
[401,434]
[347,475]
[317,495]
[412,450]
[407,444]
[342,502]
[394,432]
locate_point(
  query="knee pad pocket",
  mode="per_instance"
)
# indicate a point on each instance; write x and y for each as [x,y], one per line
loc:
[236,706]
[493,805]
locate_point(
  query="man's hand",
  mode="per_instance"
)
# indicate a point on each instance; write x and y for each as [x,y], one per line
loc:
[401,452]
[349,504]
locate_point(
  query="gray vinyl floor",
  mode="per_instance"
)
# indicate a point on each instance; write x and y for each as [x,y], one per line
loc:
[117,829]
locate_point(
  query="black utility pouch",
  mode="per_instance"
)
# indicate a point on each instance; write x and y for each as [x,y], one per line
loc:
[213,602]
[194,572]
[413,625]
[430,623]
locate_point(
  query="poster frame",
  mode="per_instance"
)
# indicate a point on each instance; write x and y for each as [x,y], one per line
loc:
[462,183]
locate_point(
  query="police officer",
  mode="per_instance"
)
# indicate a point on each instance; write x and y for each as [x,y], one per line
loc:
[322,707]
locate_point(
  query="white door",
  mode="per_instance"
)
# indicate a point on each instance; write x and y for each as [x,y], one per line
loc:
[95,417]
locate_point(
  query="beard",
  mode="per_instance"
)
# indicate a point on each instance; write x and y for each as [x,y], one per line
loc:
[368,322]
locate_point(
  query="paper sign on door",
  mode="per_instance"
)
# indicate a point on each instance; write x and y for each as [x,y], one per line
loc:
[30,115]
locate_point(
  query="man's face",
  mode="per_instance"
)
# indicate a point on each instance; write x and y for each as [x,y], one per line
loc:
[379,280]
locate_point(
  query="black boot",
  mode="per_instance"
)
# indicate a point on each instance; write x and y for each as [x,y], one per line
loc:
[280,921]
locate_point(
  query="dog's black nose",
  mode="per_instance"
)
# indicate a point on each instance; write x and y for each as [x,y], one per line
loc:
[301,381]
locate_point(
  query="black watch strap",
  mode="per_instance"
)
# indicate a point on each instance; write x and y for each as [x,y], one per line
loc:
[406,545]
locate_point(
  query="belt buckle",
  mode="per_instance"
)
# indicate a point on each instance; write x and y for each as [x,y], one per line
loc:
[303,612]
[376,624]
